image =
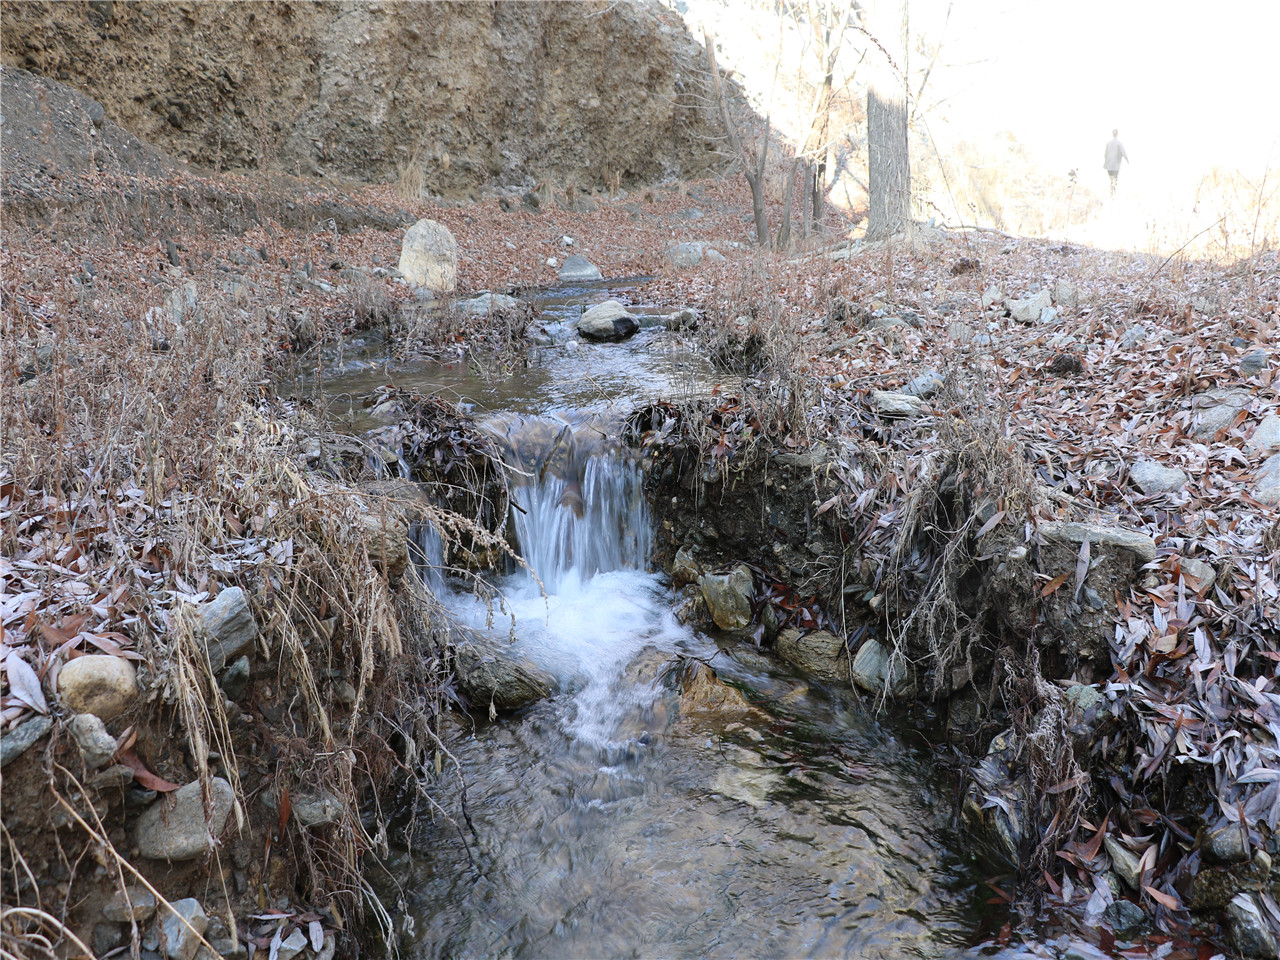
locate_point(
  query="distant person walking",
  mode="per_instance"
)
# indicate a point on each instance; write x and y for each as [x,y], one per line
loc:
[1115,153]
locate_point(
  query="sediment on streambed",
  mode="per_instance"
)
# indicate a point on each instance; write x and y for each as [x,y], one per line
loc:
[917,557]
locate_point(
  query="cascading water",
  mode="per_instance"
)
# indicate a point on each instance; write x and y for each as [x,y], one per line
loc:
[614,819]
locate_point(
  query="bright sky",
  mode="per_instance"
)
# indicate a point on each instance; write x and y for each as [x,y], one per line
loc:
[1190,85]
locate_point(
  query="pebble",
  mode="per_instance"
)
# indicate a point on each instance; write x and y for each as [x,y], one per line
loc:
[97,746]
[102,685]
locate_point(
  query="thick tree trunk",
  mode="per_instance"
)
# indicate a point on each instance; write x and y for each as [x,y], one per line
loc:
[888,150]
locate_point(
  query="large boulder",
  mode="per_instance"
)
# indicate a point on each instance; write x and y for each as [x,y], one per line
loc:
[102,685]
[728,597]
[607,321]
[174,828]
[576,269]
[488,674]
[429,257]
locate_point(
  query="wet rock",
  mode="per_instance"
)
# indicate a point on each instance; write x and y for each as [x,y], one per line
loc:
[1250,932]
[702,691]
[890,404]
[1217,409]
[1266,437]
[1028,309]
[1254,362]
[874,671]
[407,498]
[487,674]
[429,257]
[924,386]
[685,319]
[817,653]
[608,321]
[728,597]
[1152,478]
[576,269]
[1133,337]
[1124,862]
[102,685]
[487,304]
[685,569]
[178,939]
[22,738]
[1266,487]
[993,804]
[139,905]
[97,746]
[236,679]
[1141,546]
[227,626]
[175,828]
[1227,844]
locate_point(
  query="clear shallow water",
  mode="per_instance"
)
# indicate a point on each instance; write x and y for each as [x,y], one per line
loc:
[611,820]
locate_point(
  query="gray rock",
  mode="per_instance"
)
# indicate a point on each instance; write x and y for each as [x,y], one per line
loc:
[292,945]
[1254,362]
[429,257]
[816,653]
[607,321]
[97,746]
[991,296]
[960,333]
[1124,862]
[140,905]
[345,692]
[308,809]
[115,777]
[388,543]
[1152,478]
[22,738]
[1133,337]
[1216,409]
[1266,436]
[887,403]
[1250,931]
[713,255]
[102,685]
[685,319]
[227,949]
[728,597]
[488,674]
[1028,309]
[685,255]
[236,679]
[1083,697]
[1266,487]
[106,937]
[924,386]
[487,304]
[874,670]
[177,939]
[1226,844]
[174,828]
[227,626]
[1202,572]
[685,568]
[1124,916]
[1140,545]
[576,269]
[1066,295]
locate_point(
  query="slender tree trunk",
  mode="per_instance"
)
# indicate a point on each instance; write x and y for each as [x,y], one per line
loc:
[888,150]
[807,200]
[784,231]
[755,178]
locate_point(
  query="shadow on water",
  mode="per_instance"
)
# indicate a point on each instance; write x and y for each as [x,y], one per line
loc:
[613,819]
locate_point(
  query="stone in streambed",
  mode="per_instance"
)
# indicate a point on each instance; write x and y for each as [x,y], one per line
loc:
[728,597]
[487,674]
[576,269]
[608,321]
[817,653]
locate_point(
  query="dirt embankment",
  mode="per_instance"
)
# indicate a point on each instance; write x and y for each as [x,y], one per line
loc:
[511,93]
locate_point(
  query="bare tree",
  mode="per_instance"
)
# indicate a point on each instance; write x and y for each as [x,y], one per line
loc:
[888,147]
[752,168]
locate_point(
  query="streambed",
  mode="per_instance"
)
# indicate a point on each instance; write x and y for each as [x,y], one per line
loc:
[609,820]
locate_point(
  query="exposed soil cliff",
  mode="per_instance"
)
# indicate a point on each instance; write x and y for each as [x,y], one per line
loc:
[512,93]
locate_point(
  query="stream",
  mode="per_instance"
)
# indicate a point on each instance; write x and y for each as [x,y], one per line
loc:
[609,821]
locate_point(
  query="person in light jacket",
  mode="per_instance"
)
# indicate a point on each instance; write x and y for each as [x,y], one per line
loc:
[1115,153]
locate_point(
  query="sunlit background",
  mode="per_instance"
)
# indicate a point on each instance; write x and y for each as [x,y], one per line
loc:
[1020,93]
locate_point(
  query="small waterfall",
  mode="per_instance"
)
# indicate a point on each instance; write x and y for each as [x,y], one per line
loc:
[592,520]
[426,550]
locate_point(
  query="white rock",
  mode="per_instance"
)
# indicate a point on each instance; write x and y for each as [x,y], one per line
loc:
[890,404]
[292,945]
[1066,295]
[1152,478]
[101,685]
[96,745]
[429,257]
[486,304]
[991,295]
[1216,409]
[578,269]
[1028,309]
[1140,545]
[1266,487]
[1266,437]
